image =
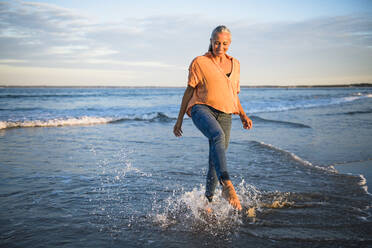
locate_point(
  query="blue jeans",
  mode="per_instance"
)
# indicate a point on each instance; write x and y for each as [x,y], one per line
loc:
[216,126]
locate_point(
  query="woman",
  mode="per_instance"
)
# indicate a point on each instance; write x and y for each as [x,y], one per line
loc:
[210,99]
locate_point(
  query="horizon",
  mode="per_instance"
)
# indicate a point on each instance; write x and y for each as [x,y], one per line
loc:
[146,44]
[356,85]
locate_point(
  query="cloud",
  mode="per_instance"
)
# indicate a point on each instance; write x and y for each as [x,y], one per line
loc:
[47,36]
[321,50]
[28,30]
[320,32]
[12,61]
[32,75]
[130,63]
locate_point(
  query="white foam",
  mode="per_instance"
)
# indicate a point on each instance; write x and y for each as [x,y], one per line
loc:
[310,104]
[84,120]
[300,160]
[348,99]
[363,180]
[363,183]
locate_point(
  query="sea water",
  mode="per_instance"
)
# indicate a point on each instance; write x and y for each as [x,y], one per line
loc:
[100,167]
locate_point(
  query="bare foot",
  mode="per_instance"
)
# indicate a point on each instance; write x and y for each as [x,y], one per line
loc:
[228,192]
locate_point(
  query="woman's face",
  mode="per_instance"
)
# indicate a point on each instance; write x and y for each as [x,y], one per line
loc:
[221,43]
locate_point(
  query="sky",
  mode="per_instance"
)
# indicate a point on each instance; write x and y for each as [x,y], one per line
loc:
[152,43]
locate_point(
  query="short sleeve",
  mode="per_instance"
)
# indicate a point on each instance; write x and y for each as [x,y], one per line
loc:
[194,74]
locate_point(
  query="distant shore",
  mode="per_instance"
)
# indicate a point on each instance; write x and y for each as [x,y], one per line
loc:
[242,86]
[312,86]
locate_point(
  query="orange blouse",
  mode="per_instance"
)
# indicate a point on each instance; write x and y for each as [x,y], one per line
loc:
[212,86]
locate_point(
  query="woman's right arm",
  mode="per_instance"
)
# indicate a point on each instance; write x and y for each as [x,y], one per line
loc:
[177,130]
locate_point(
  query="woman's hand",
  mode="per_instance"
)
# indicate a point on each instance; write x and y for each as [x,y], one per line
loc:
[177,129]
[247,123]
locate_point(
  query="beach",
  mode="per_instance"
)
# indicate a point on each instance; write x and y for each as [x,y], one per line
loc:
[100,167]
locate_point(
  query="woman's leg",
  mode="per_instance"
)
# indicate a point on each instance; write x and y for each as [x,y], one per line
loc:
[206,122]
[212,179]
[228,190]
[205,119]
[225,122]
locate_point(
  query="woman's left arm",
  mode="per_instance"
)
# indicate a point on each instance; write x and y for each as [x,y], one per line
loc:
[247,123]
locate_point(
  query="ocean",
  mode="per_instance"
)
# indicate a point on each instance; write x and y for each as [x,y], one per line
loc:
[100,167]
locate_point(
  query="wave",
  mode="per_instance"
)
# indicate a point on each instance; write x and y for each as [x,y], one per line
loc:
[84,120]
[286,123]
[47,95]
[357,112]
[21,109]
[151,117]
[308,103]
[330,169]
[74,94]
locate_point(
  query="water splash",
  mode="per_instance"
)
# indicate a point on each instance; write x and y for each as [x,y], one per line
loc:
[113,196]
[189,210]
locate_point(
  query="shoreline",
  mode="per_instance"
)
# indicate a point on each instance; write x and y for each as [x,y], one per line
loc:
[359,85]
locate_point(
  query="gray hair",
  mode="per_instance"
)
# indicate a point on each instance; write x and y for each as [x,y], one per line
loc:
[219,29]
